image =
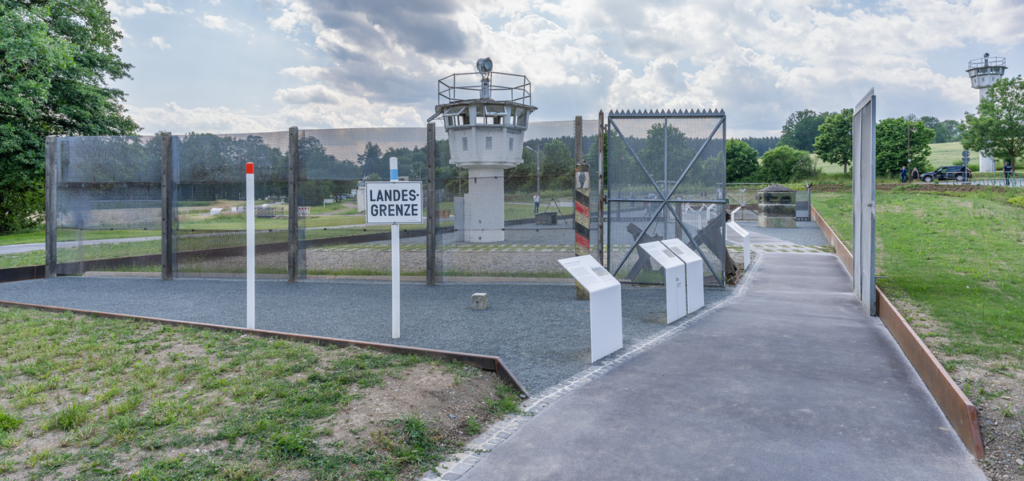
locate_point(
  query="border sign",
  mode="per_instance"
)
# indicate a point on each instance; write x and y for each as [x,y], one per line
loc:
[396,202]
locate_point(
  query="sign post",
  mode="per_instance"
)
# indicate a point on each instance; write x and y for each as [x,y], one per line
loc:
[694,273]
[394,203]
[250,248]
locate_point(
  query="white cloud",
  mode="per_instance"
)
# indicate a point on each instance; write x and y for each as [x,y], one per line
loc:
[156,7]
[160,43]
[118,11]
[215,22]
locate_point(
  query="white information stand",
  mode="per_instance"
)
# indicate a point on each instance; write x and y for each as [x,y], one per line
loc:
[694,273]
[746,241]
[396,202]
[250,247]
[605,304]
[675,279]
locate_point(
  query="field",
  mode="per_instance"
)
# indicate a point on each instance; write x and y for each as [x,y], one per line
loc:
[87,398]
[942,154]
[951,263]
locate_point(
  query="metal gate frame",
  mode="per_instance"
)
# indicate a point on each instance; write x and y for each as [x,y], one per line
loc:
[864,202]
[666,194]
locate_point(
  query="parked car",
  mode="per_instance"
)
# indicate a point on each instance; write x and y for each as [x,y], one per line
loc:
[949,172]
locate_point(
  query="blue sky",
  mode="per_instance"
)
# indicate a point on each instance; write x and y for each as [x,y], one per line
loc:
[263,65]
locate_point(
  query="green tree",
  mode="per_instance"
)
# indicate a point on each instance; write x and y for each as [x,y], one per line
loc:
[56,59]
[801,129]
[740,161]
[998,128]
[891,145]
[556,166]
[784,164]
[835,139]
[373,161]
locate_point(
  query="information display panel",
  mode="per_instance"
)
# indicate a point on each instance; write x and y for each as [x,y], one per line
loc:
[694,273]
[675,279]
[605,304]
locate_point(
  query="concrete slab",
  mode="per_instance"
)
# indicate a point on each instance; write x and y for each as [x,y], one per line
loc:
[794,382]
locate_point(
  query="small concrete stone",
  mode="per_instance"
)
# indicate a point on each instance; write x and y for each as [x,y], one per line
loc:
[478,301]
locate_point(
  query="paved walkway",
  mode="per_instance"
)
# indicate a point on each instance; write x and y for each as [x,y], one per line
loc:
[793,383]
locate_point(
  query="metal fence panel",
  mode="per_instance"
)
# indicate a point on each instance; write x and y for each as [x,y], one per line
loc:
[532,244]
[864,202]
[666,179]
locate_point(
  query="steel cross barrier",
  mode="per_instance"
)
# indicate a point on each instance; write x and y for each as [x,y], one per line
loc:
[665,193]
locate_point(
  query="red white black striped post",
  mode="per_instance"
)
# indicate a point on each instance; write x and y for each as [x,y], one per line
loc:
[250,247]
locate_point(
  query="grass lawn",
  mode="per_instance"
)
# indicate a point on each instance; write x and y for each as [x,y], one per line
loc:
[956,257]
[87,398]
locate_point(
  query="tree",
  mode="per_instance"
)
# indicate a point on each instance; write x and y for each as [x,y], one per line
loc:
[891,145]
[784,164]
[57,58]
[998,128]
[740,161]
[373,162]
[556,166]
[835,139]
[801,129]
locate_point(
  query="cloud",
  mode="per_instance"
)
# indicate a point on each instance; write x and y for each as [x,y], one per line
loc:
[217,22]
[118,11]
[156,7]
[160,43]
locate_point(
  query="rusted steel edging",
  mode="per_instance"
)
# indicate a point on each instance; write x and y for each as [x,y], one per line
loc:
[487,363]
[959,410]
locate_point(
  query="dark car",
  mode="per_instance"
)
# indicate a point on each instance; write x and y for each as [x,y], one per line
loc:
[949,172]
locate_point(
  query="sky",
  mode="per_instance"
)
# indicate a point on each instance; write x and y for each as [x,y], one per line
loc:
[233,66]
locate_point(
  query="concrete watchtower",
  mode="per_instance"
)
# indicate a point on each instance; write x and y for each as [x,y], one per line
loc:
[485,115]
[984,72]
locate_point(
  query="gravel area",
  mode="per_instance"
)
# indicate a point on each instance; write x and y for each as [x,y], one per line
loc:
[538,330]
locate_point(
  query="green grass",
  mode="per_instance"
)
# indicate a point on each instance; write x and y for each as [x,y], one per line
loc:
[955,255]
[951,153]
[111,389]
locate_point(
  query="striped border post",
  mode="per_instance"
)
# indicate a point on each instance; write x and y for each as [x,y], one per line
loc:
[581,219]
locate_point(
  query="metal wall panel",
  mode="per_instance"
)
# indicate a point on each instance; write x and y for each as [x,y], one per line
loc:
[864,202]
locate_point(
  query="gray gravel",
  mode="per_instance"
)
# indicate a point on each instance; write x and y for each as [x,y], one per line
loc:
[538,330]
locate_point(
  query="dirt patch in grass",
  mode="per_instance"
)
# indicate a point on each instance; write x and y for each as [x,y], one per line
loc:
[87,398]
[996,387]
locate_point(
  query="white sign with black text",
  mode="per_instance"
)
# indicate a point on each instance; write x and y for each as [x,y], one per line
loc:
[675,279]
[394,202]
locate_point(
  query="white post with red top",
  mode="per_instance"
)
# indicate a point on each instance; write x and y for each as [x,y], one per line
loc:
[250,248]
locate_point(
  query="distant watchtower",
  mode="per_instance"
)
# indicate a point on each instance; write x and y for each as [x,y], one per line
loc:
[485,116]
[984,72]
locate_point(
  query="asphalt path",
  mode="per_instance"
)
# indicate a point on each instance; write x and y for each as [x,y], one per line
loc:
[794,382]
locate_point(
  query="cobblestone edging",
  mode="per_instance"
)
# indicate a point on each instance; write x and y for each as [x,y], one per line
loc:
[479,447]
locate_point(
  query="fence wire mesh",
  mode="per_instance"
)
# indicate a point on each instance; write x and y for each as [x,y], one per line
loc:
[109,191]
[538,208]
[678,158]
[108,188]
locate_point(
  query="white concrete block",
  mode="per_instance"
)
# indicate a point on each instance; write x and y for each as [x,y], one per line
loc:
[478,302]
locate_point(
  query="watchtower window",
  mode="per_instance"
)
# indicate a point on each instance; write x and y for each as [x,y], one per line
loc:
[488,142]
[510,145]
[465,143]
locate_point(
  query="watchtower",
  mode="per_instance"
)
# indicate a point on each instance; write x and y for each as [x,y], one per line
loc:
[485,115]
[984,72]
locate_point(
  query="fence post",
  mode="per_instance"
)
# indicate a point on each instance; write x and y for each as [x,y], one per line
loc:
[581,219]
[293,204]
[600,187]
[431,203]
[167,213]
[50,205]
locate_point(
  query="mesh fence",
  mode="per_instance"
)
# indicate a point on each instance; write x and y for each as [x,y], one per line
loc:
[109,189]
[682,159]
[537,227]
[334,236]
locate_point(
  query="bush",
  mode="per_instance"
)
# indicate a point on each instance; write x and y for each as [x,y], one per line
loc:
[785,164]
